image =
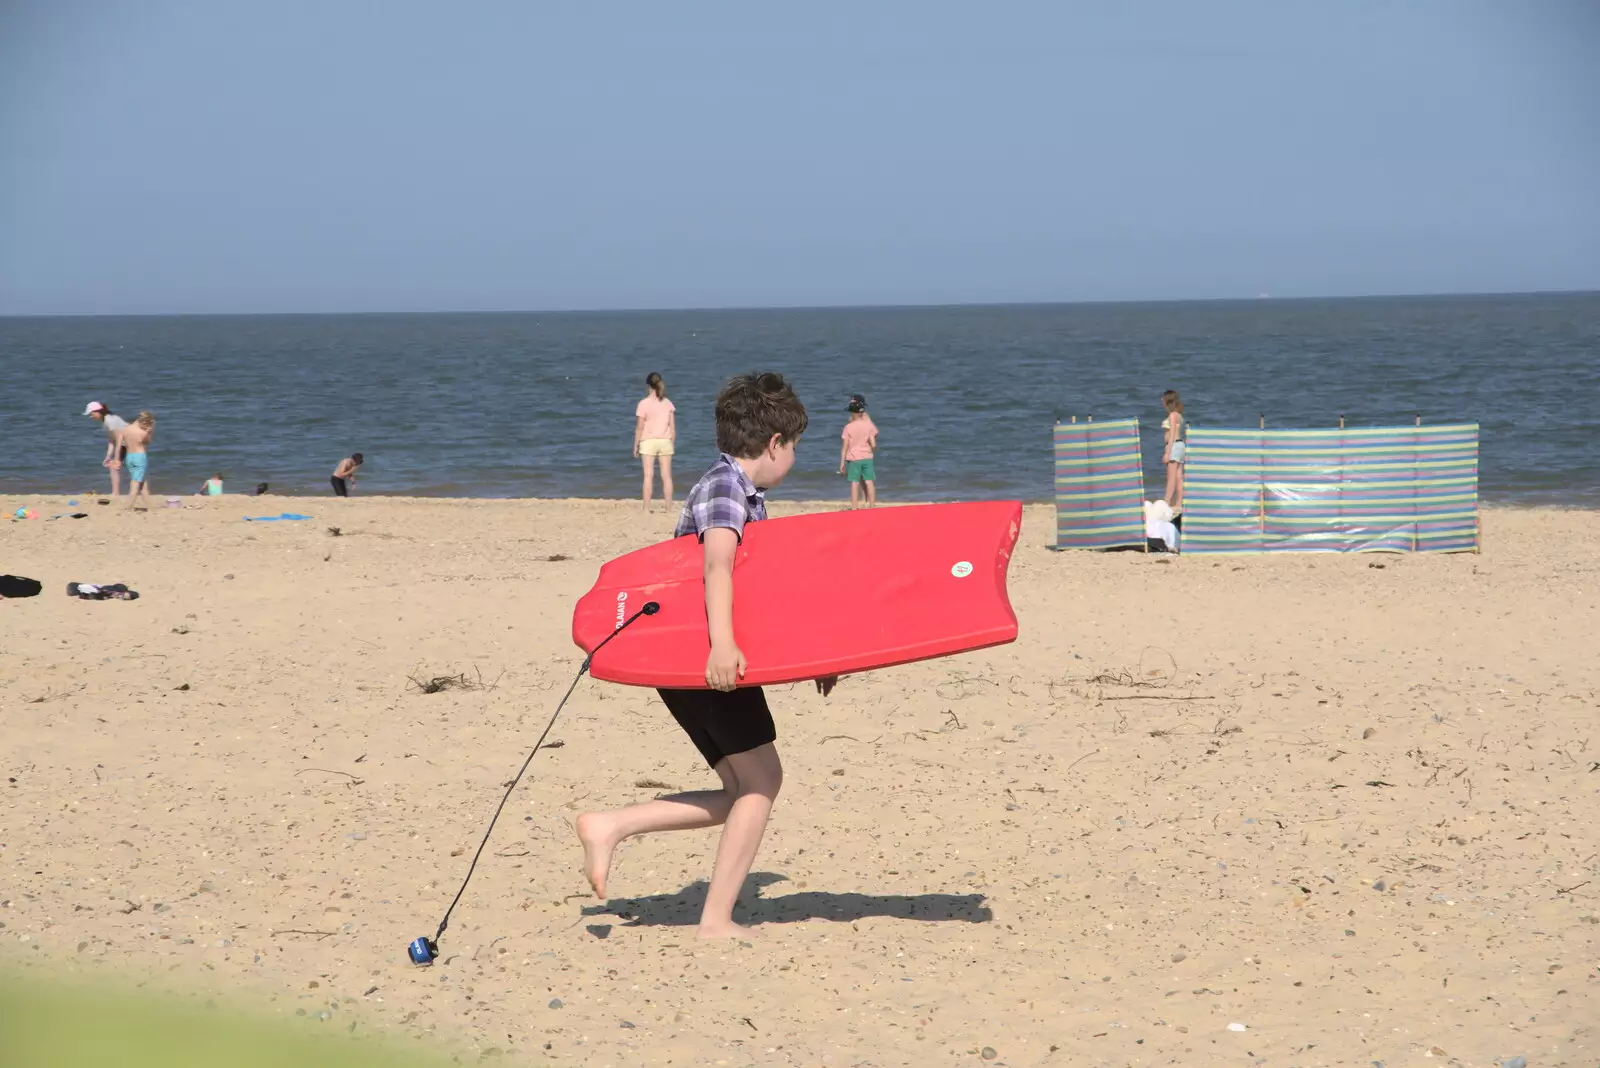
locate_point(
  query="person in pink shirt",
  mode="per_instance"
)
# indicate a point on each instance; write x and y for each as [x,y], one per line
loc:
[655,429]
[860,443]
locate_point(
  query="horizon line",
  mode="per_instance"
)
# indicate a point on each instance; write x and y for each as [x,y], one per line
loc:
[897,306]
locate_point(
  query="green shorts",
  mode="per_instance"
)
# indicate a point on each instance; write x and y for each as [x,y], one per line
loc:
[860,471]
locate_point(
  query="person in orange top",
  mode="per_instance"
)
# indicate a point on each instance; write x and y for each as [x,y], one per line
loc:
[655,433]
[859,446]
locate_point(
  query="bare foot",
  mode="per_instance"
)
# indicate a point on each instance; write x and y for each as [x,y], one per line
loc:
[722,929]
[599,840]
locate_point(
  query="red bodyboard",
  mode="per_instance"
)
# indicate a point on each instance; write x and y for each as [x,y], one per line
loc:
[813,595]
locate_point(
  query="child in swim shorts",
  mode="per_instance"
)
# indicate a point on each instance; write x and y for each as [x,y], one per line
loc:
[344,475]
[135,437]
[857,453]
[759,423]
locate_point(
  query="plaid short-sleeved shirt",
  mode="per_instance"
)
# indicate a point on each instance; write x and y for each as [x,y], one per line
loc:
[724,497]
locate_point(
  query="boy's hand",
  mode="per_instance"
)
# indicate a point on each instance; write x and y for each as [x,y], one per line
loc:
[724,667]
[825,685]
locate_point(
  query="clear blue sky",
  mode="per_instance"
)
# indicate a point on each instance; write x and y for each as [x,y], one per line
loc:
[219,155]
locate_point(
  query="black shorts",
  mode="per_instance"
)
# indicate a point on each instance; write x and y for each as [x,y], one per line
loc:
[722,723]
[339,487]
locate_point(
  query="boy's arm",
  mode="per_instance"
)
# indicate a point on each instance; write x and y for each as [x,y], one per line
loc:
[843,448]
[725,666]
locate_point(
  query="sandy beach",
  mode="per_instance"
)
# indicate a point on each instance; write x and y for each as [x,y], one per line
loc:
[1348,803]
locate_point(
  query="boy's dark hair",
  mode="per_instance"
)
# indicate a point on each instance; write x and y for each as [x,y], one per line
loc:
[752,408]
[356,458]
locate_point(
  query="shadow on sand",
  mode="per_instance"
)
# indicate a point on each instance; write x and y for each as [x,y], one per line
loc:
[683,908]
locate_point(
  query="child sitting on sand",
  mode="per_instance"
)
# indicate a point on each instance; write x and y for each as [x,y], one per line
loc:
[856,453]
[759,422]
[344,476]
[212,487]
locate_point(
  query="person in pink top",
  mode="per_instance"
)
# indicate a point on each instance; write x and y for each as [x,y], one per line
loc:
[655,429]
[860,444]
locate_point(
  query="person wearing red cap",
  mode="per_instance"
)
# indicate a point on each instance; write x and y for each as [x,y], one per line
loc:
[114,426]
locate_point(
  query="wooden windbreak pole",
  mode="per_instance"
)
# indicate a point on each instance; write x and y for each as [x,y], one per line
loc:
[1341,420]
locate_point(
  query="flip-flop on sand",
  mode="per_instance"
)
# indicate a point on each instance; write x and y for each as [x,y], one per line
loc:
[89,591]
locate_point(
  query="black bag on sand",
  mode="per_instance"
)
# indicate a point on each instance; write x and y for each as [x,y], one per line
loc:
[17,586]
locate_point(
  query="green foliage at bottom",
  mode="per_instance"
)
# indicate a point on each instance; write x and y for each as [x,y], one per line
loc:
[46,1023]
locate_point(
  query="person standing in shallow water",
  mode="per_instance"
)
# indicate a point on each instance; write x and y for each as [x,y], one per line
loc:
[655,433]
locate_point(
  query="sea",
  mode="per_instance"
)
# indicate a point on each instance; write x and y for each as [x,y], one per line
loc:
[540,404]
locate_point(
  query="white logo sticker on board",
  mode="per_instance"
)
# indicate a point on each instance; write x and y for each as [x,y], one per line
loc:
[961,569]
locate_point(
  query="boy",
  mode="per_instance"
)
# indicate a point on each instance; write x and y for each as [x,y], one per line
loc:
[344,476]
[759,422]
[856,453]
[134,441]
